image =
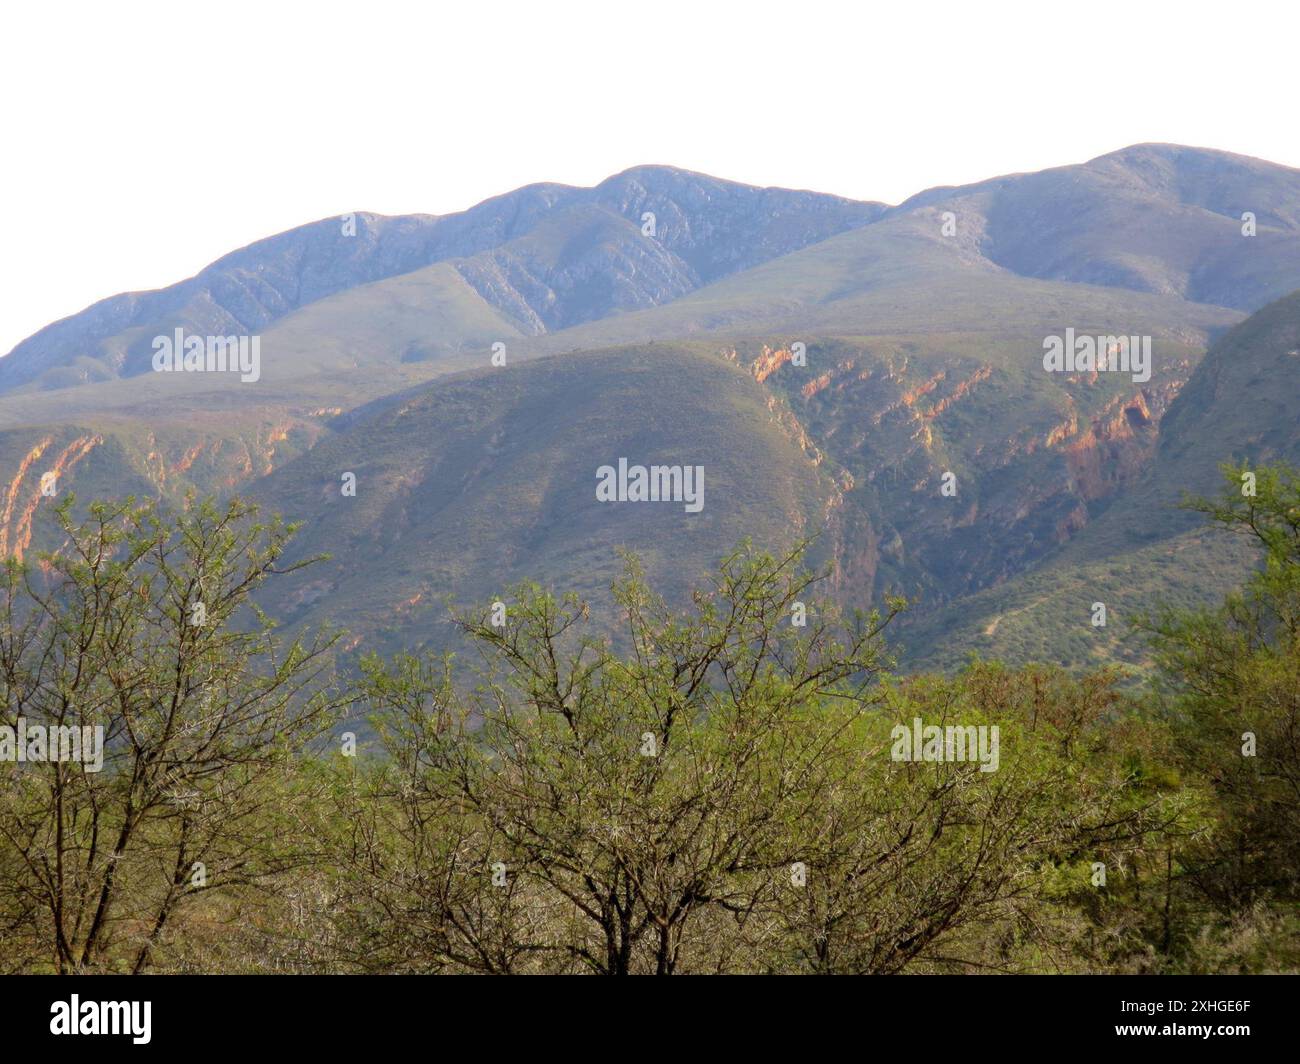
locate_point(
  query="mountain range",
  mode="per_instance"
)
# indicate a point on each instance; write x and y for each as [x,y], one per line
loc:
[869,376]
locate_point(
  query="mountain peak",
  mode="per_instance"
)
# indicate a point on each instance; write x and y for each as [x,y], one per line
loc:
[1185,154]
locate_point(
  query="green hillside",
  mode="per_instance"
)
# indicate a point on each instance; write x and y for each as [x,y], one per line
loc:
[486,479]
[920,339]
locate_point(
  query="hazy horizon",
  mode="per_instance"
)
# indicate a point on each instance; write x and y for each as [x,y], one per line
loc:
[337,115]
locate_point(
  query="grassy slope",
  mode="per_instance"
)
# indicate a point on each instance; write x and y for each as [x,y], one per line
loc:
[485,479]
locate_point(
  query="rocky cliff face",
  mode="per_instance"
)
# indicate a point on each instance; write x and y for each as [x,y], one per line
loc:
[1034,458]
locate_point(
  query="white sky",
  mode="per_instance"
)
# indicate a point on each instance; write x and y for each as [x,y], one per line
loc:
[143,140]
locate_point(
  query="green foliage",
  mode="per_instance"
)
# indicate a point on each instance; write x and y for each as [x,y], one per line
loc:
[715,789]
[141,627]
[1231,682]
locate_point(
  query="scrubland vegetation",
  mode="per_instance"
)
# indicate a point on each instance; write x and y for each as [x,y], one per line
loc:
[707,789]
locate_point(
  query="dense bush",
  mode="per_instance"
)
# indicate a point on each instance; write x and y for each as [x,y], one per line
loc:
[714,790]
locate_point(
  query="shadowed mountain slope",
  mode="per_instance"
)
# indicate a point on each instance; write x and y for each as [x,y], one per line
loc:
[478,481]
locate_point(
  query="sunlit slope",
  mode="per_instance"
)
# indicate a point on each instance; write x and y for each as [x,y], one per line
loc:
[105,457]
[1031,457]
[1242,405]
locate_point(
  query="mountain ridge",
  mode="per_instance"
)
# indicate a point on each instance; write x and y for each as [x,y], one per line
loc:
[256,285]
[531,257]
[832,363]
